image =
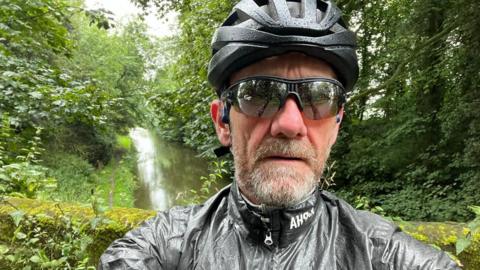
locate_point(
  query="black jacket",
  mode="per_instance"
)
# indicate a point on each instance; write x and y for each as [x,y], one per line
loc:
[322,232]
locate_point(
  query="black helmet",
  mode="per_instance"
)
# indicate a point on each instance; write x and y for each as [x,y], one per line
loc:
[257,29]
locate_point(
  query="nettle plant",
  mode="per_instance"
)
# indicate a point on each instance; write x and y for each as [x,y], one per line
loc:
[21,174]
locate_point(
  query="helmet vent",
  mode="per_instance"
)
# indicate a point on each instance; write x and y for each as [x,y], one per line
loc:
[261,2]
[295,12]
[321,5]
[279,10]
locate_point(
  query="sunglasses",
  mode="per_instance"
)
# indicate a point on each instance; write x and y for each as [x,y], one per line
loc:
[263,96]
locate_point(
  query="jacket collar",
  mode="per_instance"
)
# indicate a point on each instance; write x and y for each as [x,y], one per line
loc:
[274,226]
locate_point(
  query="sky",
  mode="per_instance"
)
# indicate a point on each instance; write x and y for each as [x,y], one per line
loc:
[123,10]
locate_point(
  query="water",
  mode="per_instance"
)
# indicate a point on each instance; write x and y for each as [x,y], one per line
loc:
[165,169]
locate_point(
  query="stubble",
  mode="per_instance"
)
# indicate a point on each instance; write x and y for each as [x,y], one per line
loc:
[275,185]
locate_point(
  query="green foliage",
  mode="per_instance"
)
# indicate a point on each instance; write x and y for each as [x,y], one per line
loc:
[218,171]
[34,90]
[65,74]
[85,141]
[363,203]
[24,24]
[419,161]
[102,18]
[183,112]
[33,245]
[70,78]
[74,176]
[409,141]
[443,235]
[117,64]
[124,142]
[22,175]
[116,183]
[25,179]
[115,223]
[66,84]
[77,178]
[473,228]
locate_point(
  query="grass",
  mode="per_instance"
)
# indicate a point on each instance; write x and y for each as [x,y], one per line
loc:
[77,180]
[124,182]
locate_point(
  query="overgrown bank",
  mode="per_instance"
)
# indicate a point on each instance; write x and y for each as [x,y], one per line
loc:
[70,81]
[95,236]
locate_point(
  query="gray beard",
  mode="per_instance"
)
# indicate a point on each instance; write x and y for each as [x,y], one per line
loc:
[277,186]
[274,186]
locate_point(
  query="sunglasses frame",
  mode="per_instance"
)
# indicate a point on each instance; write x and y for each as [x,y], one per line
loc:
[229,98]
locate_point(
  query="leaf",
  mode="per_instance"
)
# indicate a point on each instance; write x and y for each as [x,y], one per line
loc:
[474,225]
[9,73]
[35,259]
[17,216]
[33,240]
[3,249]
[462,244]
[4,26]
[20,235]
[11,258]
[95,222]
[475,209]
[36,95]
[59,103]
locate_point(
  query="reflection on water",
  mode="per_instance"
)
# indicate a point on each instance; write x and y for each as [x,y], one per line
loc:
[164,169]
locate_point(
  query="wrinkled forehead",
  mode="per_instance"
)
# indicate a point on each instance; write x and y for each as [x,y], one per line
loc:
[289,66]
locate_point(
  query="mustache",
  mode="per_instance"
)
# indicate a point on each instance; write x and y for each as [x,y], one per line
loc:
[287,148]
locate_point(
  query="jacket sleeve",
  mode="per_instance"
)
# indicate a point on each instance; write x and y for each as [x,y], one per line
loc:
[153,245]
[403,252]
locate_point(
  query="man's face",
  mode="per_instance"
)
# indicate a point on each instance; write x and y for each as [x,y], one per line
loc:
[279,160]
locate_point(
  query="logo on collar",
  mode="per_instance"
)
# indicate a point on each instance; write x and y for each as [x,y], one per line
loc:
[297,220]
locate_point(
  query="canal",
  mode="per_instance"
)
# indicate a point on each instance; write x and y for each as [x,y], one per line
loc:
[165,170]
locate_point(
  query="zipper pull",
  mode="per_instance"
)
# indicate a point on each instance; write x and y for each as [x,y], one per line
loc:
[268,238]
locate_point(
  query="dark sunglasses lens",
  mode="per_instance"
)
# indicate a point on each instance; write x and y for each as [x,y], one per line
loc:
[259,98]
[319,99]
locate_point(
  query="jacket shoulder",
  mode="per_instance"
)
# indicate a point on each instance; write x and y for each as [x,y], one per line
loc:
[151,245]
[391,248]
[157,242]
[369,223]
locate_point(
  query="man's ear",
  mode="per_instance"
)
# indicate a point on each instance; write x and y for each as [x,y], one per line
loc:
[222,129]
[338,120]
[339,116]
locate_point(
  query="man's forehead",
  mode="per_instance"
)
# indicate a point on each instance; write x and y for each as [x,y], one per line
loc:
[290,66]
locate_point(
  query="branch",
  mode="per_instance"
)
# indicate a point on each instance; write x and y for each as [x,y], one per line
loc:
[398,71]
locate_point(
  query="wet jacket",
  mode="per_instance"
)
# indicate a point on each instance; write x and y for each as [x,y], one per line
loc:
[322,232]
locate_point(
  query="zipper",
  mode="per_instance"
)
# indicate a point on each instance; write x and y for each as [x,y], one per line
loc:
[268,235]
[268,238]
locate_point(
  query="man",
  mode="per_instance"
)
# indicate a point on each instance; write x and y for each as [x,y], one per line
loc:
[281,69]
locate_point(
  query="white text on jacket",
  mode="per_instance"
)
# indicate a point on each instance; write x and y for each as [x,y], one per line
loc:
[298,220]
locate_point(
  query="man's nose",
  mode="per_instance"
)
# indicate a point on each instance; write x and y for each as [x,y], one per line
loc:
[288,121]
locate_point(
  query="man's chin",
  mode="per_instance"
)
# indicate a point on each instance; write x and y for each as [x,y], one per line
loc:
[281,186]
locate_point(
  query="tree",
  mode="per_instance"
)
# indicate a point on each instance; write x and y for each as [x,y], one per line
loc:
[409,138]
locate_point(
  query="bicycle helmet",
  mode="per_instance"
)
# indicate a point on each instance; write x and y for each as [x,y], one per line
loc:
[257,29]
